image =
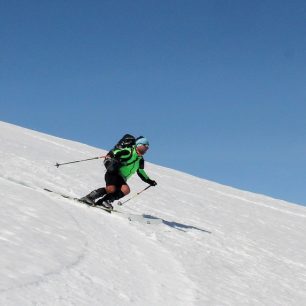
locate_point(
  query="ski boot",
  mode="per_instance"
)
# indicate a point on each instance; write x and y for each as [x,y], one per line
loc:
[91,197]
[107,204]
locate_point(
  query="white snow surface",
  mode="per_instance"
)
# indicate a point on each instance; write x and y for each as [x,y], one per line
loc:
[206,244]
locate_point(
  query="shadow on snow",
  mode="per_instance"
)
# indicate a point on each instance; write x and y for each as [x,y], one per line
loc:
[178,226]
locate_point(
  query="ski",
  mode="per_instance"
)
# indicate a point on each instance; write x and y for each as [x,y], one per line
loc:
[80,201]
[146,219]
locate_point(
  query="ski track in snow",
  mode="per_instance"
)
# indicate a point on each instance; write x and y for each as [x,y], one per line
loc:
[71,270]
[244,199]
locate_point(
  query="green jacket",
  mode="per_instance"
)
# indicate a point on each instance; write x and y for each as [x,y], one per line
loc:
[131,163]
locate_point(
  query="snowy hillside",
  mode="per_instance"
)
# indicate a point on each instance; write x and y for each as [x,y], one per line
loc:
[206,244]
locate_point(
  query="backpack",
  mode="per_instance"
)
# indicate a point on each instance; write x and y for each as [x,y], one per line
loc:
[112,164]
[127,141]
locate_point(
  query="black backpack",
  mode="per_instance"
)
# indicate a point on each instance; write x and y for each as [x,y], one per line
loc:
[127,141]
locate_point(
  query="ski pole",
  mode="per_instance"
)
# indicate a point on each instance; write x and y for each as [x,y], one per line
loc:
[135,195]
[77,161]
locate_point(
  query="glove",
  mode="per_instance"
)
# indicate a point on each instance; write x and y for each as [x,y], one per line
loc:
[151,182]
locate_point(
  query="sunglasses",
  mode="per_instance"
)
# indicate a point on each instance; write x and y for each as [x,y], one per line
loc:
[143,145]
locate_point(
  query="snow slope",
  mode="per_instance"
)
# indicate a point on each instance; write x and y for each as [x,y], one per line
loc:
[207,244]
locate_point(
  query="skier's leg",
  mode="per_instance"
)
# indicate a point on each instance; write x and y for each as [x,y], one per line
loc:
[116,188]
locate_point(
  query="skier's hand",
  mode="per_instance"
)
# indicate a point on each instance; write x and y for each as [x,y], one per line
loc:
[152,183]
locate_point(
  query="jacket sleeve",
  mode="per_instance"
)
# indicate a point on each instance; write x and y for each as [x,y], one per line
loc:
[141,172]
[122,154]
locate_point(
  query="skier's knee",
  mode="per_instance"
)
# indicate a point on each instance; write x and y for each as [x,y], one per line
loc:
[110,189]
[125,189]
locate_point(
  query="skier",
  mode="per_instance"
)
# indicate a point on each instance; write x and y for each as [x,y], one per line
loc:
[121,164]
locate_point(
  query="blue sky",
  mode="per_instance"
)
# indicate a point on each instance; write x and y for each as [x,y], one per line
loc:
[218,87]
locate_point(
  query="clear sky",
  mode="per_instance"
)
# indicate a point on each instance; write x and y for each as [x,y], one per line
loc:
[218,87]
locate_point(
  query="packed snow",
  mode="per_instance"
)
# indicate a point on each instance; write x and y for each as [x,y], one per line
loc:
[187,241]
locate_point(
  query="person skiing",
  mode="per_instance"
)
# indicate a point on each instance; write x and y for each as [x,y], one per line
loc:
[121,164]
